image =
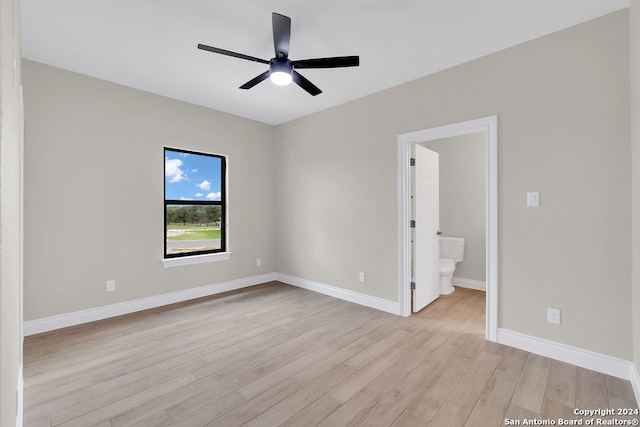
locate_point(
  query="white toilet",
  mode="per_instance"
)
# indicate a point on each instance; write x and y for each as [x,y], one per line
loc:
[451,251]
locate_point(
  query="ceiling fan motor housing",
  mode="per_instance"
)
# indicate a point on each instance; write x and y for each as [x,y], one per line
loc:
[281,71]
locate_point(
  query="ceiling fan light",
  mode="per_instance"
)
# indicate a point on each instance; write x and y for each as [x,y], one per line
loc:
[281,72]
[281,78]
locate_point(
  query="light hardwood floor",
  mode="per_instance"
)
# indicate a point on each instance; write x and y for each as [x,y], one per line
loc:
[278,355]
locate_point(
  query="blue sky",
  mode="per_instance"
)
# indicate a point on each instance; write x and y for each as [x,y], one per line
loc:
[191,176]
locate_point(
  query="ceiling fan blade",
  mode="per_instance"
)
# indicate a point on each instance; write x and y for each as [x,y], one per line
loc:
[305,84]
[230,53]
[336,62]
[281,34]
[254,81]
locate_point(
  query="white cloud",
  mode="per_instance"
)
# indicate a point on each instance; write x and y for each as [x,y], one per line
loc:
[199,194]
[214,196]
[204,185]
[194,170]
[172,170]
[184,198]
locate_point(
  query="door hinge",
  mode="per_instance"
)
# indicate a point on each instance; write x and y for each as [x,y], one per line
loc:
[413,285]
[412,223]
[412,162]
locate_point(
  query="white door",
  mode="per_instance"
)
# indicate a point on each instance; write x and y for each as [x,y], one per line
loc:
[426,250]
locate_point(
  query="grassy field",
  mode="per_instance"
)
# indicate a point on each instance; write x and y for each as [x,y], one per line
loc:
[192,232]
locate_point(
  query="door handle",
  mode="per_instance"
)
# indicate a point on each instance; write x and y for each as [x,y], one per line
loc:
[439,232]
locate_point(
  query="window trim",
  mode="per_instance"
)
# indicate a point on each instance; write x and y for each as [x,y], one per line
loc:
[197,257]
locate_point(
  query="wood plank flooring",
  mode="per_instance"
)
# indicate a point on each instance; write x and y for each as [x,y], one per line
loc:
[276,355]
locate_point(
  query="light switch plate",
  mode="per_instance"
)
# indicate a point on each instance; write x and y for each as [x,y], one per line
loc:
[533,199]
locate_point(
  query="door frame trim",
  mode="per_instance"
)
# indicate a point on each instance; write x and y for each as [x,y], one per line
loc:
[489,125]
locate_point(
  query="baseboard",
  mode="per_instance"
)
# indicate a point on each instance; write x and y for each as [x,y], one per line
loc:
[635,382]
[478,285]
[33,327]
[344,294]
[576,356]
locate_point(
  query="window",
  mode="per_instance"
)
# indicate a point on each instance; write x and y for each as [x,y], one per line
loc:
[194,203]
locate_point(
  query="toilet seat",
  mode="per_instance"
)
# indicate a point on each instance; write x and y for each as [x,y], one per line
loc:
[447,266]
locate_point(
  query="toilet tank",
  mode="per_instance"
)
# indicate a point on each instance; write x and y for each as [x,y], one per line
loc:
[452,248]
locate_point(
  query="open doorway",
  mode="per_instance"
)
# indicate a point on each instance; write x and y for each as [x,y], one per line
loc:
[488,127]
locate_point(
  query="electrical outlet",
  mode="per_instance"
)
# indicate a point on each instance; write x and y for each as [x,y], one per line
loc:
[361,277]
[553,316]
[258,262]
[111,285]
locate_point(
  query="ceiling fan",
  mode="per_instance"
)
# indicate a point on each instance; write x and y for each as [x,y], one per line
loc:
[282,70]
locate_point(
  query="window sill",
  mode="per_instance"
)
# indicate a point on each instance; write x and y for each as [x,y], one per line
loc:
[195,259]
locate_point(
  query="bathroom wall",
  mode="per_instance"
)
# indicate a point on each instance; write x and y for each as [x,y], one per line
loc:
[463,198]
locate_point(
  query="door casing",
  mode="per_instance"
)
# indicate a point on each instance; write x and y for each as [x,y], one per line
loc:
[488,125]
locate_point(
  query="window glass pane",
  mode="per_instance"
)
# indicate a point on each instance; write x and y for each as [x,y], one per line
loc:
[190,176]
[193,228]
[194,203]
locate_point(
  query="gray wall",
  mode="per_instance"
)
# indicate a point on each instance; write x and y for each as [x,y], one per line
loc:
[463,198]
[94,191]
[635,148]
[563,116]
[10,215]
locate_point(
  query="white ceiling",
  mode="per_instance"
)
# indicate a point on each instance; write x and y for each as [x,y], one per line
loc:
[151,44]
